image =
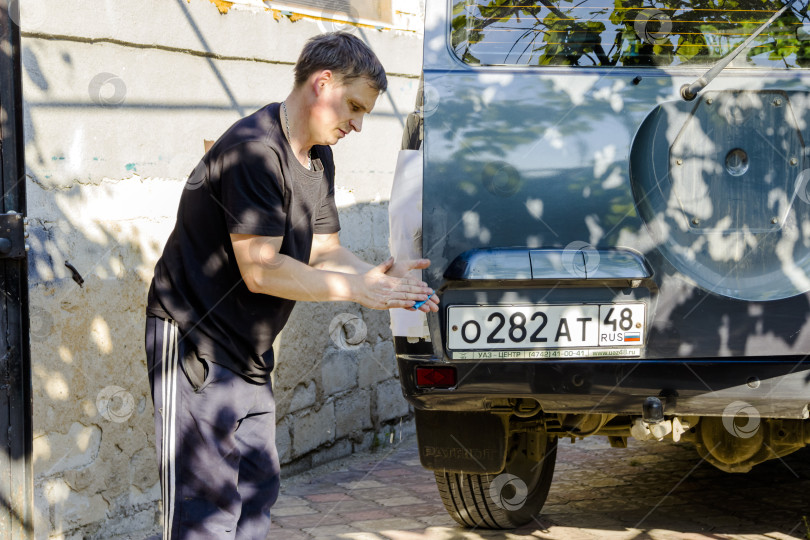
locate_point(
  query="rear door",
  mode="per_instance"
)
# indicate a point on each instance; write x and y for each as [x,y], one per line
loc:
[557,129]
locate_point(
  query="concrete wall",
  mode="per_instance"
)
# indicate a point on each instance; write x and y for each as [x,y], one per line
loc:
[119,96]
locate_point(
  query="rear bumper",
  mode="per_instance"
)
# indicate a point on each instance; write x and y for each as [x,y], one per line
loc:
[777,387]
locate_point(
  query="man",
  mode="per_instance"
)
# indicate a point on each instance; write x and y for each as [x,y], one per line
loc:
[257,229]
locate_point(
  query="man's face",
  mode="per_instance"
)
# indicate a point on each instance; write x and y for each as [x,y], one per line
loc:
[339,108]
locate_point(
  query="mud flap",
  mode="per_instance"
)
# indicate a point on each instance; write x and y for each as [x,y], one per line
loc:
[473,442]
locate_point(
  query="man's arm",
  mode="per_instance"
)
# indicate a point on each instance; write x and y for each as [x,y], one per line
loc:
[328,254]
[267,271]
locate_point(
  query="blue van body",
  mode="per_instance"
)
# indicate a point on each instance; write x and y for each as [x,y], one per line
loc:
[598,240]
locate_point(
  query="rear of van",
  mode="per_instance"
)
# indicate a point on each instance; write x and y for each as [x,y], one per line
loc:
[615,202]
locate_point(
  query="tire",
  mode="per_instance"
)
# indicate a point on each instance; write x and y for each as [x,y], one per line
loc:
[495,501]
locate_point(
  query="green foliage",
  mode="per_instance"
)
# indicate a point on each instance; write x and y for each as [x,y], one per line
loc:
[638,32]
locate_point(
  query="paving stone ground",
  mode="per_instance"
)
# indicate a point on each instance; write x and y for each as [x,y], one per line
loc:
[650,490]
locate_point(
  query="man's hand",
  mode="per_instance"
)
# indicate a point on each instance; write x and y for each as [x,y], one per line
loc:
[387,286]
[403,268]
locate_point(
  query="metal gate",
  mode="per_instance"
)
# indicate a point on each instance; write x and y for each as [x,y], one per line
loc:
[16,489]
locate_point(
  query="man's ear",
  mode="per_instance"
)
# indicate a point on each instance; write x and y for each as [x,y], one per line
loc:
[321,80]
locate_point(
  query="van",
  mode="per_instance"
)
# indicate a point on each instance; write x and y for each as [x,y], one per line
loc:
[614,197]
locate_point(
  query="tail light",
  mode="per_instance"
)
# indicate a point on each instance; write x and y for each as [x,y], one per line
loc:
[436,377]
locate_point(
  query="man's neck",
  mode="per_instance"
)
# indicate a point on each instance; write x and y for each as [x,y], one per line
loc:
[296,127]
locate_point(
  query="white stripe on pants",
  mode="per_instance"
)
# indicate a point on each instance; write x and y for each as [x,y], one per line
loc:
[168,399]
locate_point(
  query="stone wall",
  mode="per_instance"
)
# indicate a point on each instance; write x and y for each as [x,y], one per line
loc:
[118,99]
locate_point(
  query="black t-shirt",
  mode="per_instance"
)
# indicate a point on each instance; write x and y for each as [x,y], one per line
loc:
[249,182]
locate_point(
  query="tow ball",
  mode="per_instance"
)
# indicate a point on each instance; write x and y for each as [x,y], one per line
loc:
[653,425]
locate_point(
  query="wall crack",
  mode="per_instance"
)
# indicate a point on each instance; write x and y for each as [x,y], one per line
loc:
[167,48]
[181,50]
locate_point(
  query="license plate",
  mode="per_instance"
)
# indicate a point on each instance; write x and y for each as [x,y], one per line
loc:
[545,326]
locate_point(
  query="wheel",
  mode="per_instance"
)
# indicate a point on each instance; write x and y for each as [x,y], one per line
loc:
[506,500]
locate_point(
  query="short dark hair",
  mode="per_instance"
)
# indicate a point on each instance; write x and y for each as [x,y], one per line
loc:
[342,53]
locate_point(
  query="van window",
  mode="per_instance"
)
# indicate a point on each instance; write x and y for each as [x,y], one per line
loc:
[599,33]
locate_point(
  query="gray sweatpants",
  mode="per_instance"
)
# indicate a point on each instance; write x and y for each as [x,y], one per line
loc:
[215,439]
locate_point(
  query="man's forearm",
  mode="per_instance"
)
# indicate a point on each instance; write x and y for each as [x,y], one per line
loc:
[333,274]
[340,259]
[291,279]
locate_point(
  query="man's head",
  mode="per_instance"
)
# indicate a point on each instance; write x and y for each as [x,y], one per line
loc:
[345,55]
[341,78]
